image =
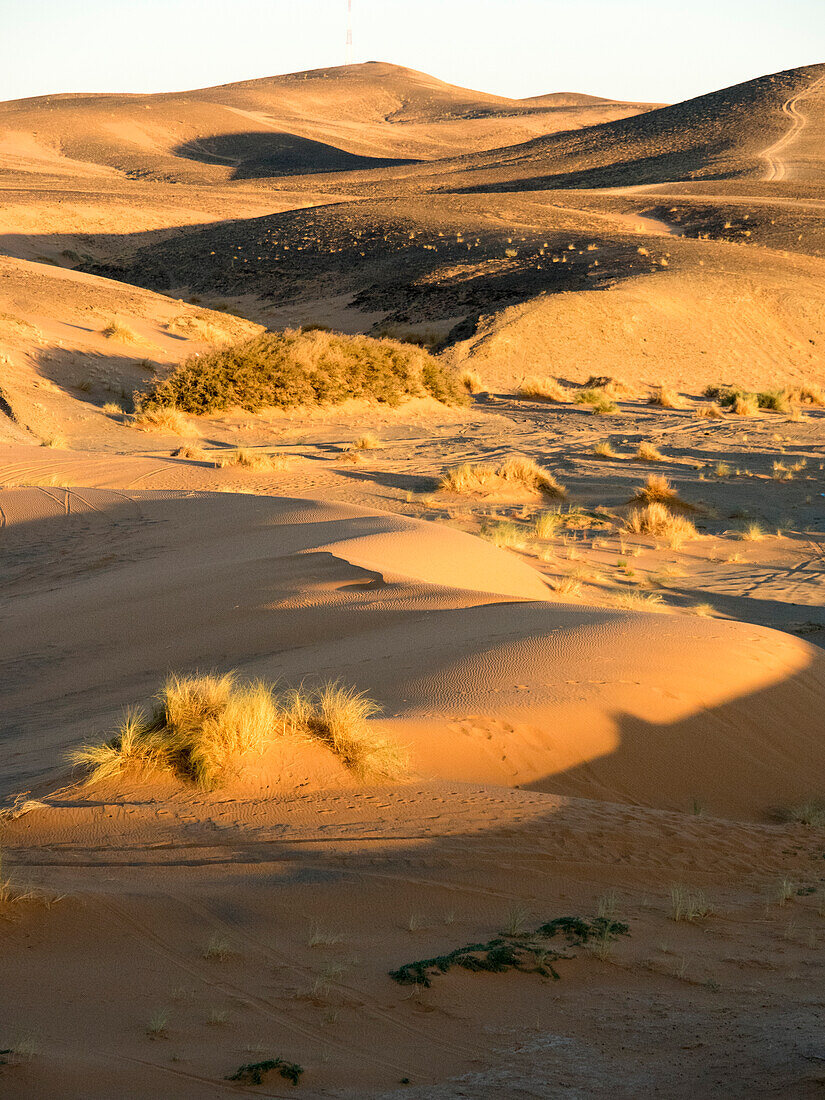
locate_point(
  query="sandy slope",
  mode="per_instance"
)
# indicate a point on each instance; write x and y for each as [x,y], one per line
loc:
[625,706]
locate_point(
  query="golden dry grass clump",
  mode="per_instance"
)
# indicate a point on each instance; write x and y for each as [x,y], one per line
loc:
[543,389]
[369,441]
[647,452]
[252,460]
[203,727]
[471,381]
[117,330]
[666,398]
[159,419]
[517,470]
[297,368]
[658,488]
[656,519]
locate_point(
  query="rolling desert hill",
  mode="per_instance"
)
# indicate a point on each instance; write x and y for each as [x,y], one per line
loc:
[328,120]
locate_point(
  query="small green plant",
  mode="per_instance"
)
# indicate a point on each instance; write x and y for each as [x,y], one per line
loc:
[598,401]
[547,524]
[321,937]
[785,891]
[527,953]
[517,917]
[507,536]
[253,1073]
[156,1028]
[218,948]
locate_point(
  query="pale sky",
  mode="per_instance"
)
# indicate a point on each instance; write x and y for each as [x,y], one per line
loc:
[654,50]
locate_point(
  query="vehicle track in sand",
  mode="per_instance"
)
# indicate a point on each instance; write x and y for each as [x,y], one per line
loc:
[776,166]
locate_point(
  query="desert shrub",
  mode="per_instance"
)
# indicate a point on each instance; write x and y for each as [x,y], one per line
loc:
[478,477]
[545,389]
[711,412]
[293,368]
[254,1073]
[745,405]
[774,400]
[656,519]
[519,950]
[202,727]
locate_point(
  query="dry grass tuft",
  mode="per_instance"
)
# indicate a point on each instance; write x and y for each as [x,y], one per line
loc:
[688,905]
[57,442]
[658,488]
[543,389]
[656,519]
[202,728]
[112,409]
[547,524]
[516,470]
[195,453]
[637,601]
[162,420]
[810,813]
[711,412]
[647,452]
[367,442]
[752,532]
[196,328]
[745,404]
[471,381]
[117,330]
[605,449]
[807,395]
[249,459]
[666,398]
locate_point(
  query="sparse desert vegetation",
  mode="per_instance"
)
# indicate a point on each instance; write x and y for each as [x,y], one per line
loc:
[202,728]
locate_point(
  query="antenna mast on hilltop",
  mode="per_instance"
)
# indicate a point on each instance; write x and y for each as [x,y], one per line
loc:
[349,32]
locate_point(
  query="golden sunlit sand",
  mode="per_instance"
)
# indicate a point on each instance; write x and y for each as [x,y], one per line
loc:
[425,696]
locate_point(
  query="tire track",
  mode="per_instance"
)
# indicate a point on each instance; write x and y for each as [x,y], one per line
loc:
[776,166]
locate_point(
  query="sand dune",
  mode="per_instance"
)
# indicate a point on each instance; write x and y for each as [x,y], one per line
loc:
[603,704]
